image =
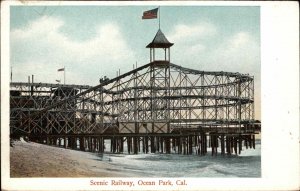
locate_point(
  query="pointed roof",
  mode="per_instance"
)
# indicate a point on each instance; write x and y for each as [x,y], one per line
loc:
[159,41]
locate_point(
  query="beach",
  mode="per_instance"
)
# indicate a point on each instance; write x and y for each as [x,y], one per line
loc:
[29,159]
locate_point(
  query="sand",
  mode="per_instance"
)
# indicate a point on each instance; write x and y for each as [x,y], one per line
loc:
[29,159]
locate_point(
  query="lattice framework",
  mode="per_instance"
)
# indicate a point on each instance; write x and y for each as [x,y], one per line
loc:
[159,97]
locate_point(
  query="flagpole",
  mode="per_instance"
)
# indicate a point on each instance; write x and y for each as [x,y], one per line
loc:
[11,74]
[64,75]
[158,17]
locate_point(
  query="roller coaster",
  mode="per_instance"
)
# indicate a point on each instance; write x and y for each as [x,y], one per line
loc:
[158,99]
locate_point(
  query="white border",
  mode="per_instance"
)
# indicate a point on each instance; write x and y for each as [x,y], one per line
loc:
[279,107]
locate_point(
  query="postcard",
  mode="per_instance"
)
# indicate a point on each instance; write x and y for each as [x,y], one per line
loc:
[156,95]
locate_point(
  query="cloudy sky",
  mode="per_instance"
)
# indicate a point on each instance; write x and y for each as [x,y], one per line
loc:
[93,41]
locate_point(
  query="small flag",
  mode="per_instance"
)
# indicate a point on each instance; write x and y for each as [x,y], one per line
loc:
[61,69]
[57,81]
[151,14]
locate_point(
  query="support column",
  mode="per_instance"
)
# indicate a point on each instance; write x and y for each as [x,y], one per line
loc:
[222,145]
[253,139]
[161,142]
[168,148]
[174,144]
[135,145]
[240,144]
[122,144]
[228,146]
[190,144]
[65,142]
[101,144]
[147,144]
[205,144]
[235,145]
[246,141]
[184,146]
[212,144]
[179,145]
[143,143]
[129,144]
[152,144]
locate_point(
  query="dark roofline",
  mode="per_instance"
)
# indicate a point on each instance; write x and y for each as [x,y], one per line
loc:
[160,41]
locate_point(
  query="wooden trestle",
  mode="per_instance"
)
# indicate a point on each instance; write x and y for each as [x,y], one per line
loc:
[159,107]
[187,144]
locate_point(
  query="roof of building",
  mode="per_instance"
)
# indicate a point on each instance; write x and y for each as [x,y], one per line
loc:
[159,41]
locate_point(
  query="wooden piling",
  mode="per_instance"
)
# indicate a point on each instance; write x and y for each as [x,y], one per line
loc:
[228,145]
[184,145]
[198,145]
[216,144]
[101,144]
[144,145]
[168,146]
[201,144]
[235,145]
[89,144]
[96,144]
[59,142]
[174,144]
[240,144]
[222,145]
[211,137]
[190,144]
[250,141]
[73,142]
[139,144]
[152,144]
[128,145]
[111,145]
[115,144]
[253,139]
[147,144]
[160,144]
[70,142]
[65,142]
[205,143]
[179,145]
[122,144]
[135,145]
[246,141]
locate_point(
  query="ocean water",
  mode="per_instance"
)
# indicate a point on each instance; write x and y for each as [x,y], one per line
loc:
[248,164]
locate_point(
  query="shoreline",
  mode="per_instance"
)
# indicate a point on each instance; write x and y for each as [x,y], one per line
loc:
[30,159]
[35,160]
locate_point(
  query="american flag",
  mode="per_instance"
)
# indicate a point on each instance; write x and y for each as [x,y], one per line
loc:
[151,14]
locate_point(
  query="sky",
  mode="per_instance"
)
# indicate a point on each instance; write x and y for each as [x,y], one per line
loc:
[96,41]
